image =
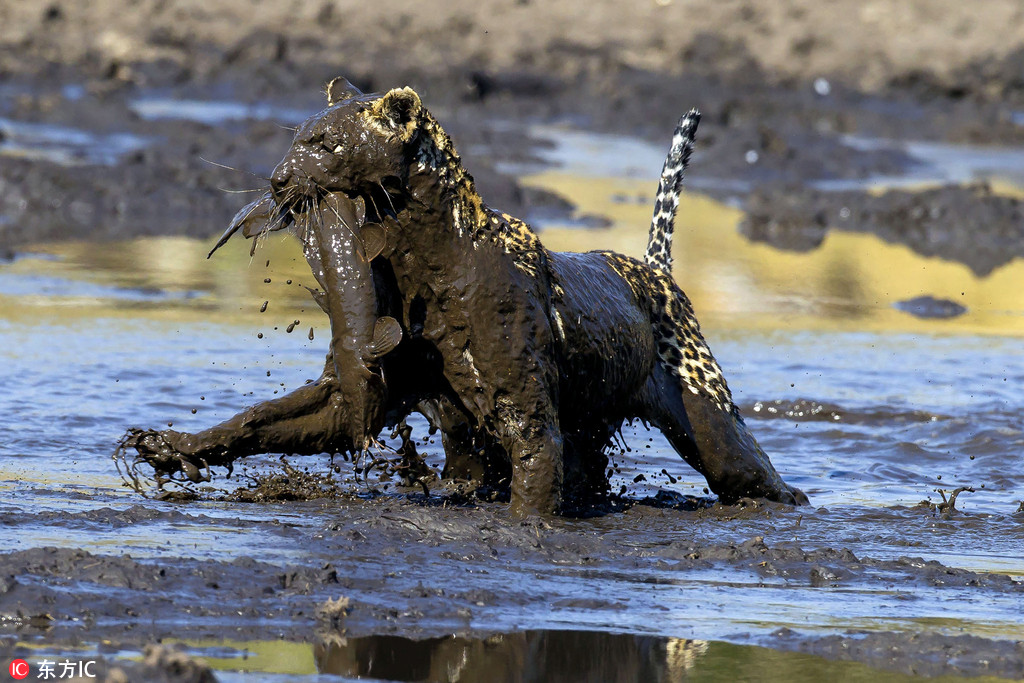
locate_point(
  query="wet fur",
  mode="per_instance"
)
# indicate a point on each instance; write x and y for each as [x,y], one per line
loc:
[527,360]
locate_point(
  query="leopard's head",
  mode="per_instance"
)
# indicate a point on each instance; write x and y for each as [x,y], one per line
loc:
[360,145]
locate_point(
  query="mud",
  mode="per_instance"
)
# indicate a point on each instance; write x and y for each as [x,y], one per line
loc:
[64,596]
[933,656]
[973,225]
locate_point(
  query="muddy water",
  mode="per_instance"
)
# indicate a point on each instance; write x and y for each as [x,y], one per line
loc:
[865,407]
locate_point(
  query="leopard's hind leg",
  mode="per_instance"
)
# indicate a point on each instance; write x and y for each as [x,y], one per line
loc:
[687,398]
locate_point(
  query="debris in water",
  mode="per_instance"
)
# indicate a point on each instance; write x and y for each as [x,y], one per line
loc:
[930,307]
[947,506]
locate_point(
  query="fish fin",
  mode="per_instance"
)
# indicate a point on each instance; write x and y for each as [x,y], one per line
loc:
[387,334]
[374,240]
[256,211]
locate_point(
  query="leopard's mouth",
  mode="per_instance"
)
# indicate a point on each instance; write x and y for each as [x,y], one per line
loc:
[383,202]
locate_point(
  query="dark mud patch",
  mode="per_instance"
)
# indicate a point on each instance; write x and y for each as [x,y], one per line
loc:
[288,484]
[105,517]
[186,179]
[971,225]
[930,307]
[934,654]
[989,79]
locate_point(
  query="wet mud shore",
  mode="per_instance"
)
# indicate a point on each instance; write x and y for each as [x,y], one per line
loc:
[118,124]
[384,567]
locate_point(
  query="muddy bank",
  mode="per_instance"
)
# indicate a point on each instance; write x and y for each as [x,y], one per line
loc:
[796,39]
[92,168]
[972,225]
[778,90]
[392,563]
[933,655]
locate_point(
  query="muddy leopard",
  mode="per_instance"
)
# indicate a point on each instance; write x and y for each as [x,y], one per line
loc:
[527,360]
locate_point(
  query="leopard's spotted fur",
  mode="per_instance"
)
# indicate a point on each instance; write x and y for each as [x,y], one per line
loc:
[666,203]
[680,344]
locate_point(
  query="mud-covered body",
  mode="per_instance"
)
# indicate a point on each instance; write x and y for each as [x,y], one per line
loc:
[527,361]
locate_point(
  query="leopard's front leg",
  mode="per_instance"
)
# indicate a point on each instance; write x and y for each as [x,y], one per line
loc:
[305,421]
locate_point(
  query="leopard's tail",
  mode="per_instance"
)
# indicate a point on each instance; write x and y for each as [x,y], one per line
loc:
[659,244]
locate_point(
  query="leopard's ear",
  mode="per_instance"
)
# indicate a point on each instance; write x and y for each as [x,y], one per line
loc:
[340,89]
[399,109]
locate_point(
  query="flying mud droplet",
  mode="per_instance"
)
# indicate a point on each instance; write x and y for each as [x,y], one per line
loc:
[287,282]
[194,411]
[259,335]
[311,334]
[263,308]
[268,264]
[291,327]
[266,280]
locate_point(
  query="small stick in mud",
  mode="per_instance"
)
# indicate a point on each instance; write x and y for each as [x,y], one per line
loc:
[949,506]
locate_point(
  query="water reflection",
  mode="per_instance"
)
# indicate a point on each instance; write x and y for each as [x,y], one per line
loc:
[850,283]
[64,145]
[570,656]
[513,657]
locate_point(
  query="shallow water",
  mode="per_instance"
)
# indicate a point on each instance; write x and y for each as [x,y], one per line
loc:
[65,145]
[866,408]
[214,112]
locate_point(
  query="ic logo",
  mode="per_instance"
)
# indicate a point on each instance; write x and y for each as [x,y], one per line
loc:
[19,669]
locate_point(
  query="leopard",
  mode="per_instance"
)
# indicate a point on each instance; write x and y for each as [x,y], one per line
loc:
[528,361]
